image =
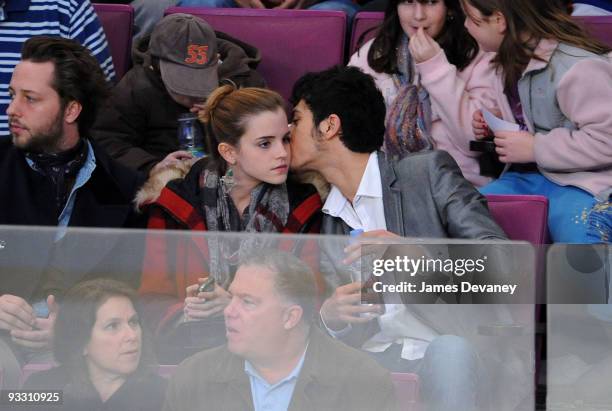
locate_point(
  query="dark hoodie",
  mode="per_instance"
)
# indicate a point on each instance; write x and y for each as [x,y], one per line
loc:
[138,125]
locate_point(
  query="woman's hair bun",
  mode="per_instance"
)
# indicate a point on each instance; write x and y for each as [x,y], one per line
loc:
[212,102]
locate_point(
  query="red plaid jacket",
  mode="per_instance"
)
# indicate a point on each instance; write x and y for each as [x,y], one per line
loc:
[168,270]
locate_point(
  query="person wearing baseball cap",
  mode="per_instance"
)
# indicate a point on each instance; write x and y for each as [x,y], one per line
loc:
[175,69]
[186,47]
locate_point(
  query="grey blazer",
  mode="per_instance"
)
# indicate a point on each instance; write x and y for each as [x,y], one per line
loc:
[425,195]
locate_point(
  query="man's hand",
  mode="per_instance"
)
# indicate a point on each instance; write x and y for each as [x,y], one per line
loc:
[422,46]
[197,107]
[515,146]
[172,159]
[202,305]
[344,307]
[353,251]
[42,334]
[16,313]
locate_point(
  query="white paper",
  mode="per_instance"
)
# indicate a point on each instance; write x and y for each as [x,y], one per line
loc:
[497,124]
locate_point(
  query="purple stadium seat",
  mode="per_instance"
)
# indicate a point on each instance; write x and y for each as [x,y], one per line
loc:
[291,42]
[117,21]
[362,22]
[406,390]
[599,27]
[522,217]
[525,218]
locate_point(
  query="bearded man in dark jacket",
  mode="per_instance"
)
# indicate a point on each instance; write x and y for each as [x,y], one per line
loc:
[174,71]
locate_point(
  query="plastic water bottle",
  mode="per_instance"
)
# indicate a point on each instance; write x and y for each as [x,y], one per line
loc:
[190,135]
[355,265]
[355,269]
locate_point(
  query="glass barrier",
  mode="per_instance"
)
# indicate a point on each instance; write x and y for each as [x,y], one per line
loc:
[183,320]
[579,360]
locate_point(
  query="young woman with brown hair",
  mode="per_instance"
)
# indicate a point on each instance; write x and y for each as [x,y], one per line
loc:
[433,77]
[242,186]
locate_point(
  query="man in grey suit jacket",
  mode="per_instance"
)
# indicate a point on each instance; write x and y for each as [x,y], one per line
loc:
[338,130]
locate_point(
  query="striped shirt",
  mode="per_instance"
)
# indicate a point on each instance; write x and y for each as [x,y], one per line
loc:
[74,19]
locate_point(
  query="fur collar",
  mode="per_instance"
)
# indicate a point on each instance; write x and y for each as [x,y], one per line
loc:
[153,187]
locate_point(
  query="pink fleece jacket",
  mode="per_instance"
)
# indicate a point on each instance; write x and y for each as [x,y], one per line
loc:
[581,157]
[455,95]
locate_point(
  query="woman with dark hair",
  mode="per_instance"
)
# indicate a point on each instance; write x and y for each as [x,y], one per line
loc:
[557,83]
[106,361]
[433,78]
[242,187]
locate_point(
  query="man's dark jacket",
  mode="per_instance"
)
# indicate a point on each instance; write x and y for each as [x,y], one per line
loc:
[105,201]
[333,377]
[138,125]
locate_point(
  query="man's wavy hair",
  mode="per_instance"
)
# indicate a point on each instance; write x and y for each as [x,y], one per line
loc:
[77,75]
[353,96]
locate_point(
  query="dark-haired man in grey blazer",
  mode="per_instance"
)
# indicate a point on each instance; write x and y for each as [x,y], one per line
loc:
[338,130]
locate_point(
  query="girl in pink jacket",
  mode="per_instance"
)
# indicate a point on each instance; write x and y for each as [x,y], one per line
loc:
[558,84]
[433,78]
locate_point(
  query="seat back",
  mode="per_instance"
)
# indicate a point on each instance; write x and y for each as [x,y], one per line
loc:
[118,23]
[599,27]
[362,22]
[522,217]
[406,390]
[291,42]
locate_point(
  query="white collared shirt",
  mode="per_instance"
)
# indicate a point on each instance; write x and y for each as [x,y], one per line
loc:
[367,212]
